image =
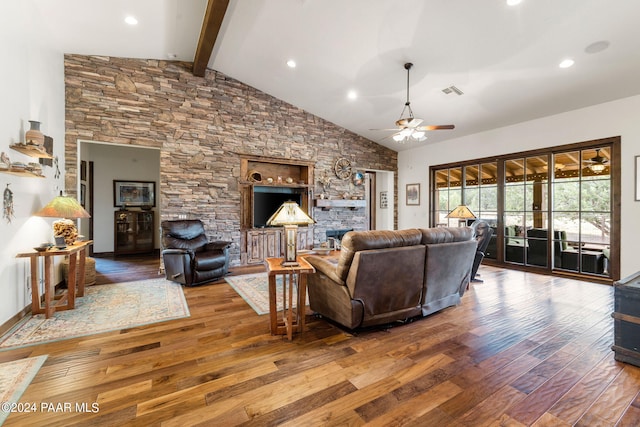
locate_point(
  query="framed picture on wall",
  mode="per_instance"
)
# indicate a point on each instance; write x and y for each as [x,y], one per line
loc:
[413,194]
[83,195]
[134,193]
[384,202]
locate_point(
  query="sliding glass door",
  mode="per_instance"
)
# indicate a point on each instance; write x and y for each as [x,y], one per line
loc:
[550,209]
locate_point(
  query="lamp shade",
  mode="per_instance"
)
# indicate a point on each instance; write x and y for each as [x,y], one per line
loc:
[289,213]
[461,212]
[63,207]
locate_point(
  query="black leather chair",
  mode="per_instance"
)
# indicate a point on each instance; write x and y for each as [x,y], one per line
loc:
[189,258]
[537,249]
[482,232]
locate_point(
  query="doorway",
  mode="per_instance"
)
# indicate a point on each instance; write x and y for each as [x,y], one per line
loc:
[106,163]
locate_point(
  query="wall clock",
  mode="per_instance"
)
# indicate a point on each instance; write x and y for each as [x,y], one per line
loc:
[343,168]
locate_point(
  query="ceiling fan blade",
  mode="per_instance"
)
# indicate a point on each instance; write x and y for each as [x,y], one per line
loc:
[409,122]
[436,127]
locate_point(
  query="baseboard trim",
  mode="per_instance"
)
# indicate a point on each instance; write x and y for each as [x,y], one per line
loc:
[6,326]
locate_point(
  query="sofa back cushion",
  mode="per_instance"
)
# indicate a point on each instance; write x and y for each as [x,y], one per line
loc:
[355,241]
[446,235]
[183,234]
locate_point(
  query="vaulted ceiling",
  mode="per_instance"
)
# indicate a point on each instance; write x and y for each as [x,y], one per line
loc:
[504,59]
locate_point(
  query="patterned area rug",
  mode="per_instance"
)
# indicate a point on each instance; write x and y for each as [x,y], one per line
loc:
[254,289]
[15,377]
[103,308]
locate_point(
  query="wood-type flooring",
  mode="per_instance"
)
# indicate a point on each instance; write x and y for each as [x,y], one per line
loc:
[522,349]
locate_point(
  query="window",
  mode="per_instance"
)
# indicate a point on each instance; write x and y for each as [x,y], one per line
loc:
[551,209]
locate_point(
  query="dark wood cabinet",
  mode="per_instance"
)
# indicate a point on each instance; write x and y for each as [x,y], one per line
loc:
[133,232]
[271,175]
[264,243]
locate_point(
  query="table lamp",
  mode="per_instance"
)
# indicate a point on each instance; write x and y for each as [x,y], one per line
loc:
[290,216]
[463,213]
[68,208]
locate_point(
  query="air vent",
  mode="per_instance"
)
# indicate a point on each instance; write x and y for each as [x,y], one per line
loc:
[452,89]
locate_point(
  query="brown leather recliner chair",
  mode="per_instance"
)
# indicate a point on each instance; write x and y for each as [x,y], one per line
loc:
[189,258]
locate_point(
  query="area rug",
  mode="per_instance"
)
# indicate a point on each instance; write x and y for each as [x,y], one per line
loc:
[15,377]
[254,289]
[103,308]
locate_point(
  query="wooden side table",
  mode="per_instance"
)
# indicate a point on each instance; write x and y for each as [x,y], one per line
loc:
[288,323]
[77,254]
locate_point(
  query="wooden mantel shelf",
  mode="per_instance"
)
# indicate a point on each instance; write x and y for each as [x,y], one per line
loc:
[327,204]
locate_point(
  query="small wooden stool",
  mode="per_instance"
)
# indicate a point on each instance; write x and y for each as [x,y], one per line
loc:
[89,270]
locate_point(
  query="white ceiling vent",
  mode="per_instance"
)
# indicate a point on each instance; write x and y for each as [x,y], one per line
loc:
[452,89]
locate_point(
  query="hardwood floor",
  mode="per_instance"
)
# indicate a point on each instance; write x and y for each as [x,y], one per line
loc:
[521,349]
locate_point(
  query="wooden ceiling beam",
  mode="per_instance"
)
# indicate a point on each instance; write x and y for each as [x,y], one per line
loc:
[211,24]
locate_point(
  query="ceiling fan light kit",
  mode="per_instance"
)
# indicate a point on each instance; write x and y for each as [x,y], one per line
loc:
[408,126]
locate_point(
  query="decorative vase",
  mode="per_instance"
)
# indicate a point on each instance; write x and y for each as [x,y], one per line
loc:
[33,136]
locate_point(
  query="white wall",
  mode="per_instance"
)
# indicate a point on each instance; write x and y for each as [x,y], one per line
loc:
[117,162]
[616,118]
[32,76]
[384,217]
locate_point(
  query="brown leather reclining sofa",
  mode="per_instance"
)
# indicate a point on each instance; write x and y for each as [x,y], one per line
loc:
[386,276]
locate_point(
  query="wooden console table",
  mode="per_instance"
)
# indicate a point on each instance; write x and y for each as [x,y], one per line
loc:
[290,275]
[77,254]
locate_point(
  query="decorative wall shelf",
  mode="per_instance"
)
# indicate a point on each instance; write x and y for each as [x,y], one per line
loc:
[31,152]
[327,204]
[24,173]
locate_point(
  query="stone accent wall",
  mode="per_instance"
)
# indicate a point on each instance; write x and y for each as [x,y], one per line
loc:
[202,125]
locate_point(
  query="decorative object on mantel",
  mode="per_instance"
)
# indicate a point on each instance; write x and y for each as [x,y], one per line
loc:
[68,208]
[290,216]
[325,182]
[254,176]
[343,168]
[358,178]
[33,136]
[7,205]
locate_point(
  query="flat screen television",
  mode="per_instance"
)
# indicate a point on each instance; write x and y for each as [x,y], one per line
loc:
[267,200]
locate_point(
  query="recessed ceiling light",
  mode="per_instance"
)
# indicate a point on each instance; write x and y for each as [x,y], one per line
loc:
[513,2]
[291,63]
[566,63]
[131,20]
[352,94]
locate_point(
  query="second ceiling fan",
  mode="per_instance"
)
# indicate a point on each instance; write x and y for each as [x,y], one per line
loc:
[408,127]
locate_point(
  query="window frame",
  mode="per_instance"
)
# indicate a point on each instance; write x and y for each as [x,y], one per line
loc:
[614,146]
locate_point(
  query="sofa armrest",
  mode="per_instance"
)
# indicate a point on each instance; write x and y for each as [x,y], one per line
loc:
[177,252]
[217,245]
[327,266]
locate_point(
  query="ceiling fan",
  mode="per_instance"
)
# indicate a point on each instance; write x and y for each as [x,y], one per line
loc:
[598,163]
[408,127]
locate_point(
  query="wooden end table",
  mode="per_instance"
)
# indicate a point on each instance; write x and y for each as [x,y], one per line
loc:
[77,254]
[288,323]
